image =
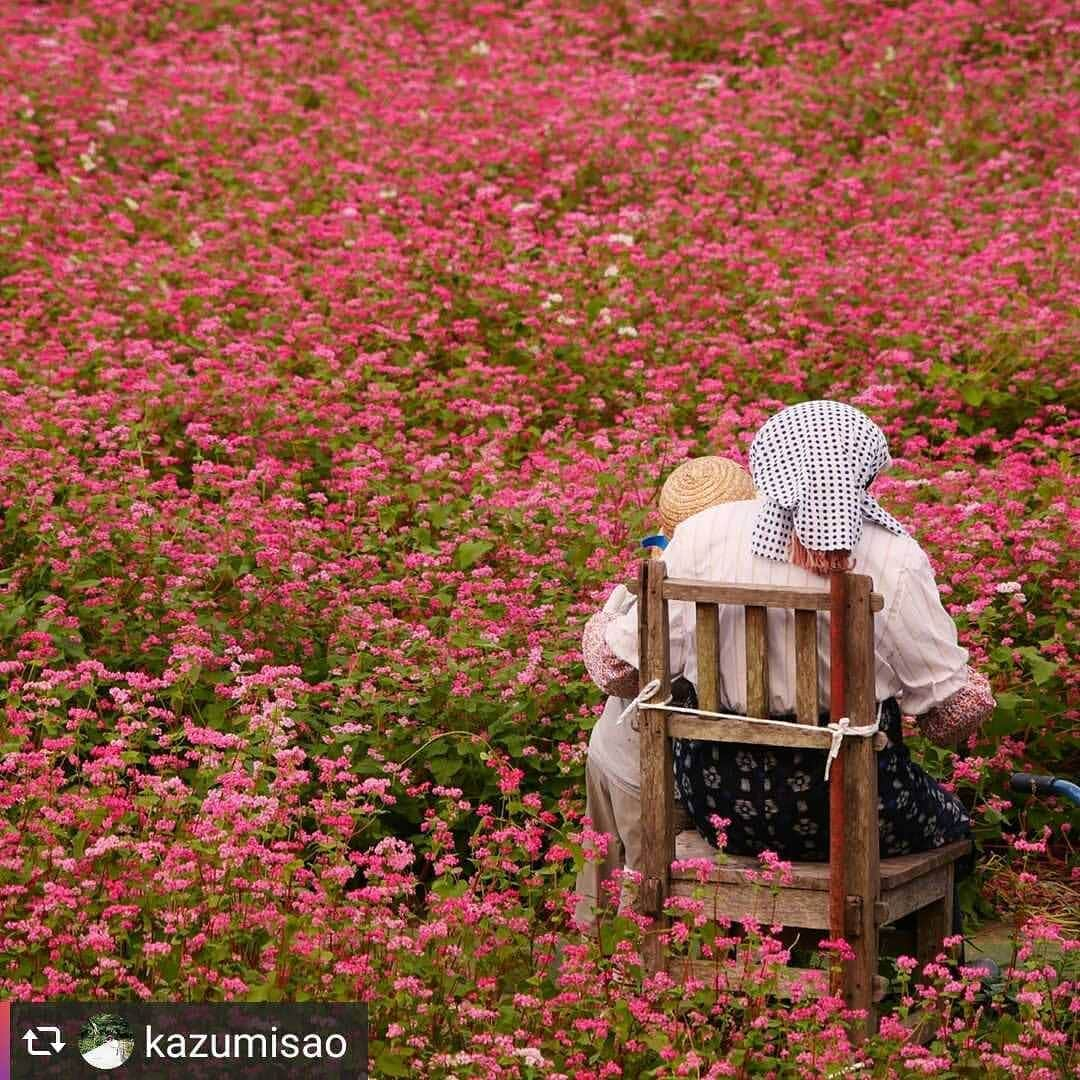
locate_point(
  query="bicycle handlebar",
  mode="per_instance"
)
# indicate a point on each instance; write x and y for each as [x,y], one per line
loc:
[1030,784]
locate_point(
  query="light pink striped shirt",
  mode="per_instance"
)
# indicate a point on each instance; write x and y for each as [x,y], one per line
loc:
[917,658]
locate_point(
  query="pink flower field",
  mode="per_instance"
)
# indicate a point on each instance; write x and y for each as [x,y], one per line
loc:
[344,347]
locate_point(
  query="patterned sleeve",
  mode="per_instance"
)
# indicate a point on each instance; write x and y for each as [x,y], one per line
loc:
[612,675]
[960,716]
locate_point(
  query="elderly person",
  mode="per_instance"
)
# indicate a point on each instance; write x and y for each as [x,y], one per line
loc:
[612,771]
[813,465]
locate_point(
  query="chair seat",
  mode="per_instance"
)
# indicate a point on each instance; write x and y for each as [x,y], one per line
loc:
[908,882]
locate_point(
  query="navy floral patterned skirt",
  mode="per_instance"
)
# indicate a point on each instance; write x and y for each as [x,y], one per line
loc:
[777,799]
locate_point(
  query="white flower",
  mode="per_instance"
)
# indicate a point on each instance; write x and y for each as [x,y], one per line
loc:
[1007,587]
[481,48]
[621,238]
[531,1056]
[130,203]
[890,54]
[709,81]
[522,207]
[626,331]
[195,240]
[565,320]
[552,298]
[611,270]
[387,193]
[88,159]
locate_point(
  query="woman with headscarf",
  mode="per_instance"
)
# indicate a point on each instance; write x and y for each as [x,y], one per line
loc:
[813,465]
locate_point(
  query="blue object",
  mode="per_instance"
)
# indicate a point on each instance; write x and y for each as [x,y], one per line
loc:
[1045,785]
[659,540]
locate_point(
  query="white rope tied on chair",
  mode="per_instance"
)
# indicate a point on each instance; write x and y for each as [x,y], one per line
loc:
[647,690]
[843,727]
[839,728]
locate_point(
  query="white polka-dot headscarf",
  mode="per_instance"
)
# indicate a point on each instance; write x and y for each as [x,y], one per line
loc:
[812,463]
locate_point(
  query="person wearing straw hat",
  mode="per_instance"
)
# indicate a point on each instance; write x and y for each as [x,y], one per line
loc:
[814,464]
[612,770]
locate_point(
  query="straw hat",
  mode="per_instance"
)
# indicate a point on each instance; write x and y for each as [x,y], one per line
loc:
[700,483]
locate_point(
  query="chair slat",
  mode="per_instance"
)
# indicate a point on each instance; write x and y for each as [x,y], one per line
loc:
[757,662]
[773,596]
[738,729]
[708,656]
[806,686]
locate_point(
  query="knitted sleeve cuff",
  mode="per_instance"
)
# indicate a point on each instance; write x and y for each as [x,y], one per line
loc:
[612,675]
[960,716]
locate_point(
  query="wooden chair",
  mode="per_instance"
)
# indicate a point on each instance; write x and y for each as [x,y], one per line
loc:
[872,892]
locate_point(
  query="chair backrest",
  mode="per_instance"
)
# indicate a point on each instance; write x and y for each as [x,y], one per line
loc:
[655,590]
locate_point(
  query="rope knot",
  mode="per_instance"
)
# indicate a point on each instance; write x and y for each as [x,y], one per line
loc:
[647,690]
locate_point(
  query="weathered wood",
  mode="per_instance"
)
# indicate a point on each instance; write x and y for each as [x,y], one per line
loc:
[742,900]
[874,890]
[757,661]
[853,917]
[861,870]
[806,667]
[740,730]
[896,872]
[933,923]
[741,973]
[657,783]
[708,656]
[729,974]
[901,869]
[770,596]
[912,896]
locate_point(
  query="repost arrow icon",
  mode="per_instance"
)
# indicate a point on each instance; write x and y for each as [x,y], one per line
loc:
[57,1044]
[31,1037]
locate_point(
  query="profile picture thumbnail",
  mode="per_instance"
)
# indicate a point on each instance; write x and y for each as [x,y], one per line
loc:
[106,1041]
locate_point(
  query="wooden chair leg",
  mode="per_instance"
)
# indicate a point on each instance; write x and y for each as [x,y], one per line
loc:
[861,976]
[933,924]
[657,771]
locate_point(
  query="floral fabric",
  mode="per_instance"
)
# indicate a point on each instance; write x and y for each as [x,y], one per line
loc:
[777,799]
[612,675]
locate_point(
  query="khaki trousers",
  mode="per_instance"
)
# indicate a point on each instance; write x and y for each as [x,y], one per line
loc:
[614,810]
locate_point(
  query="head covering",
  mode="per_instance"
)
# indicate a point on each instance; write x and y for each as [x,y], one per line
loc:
[813,463]
[700,483]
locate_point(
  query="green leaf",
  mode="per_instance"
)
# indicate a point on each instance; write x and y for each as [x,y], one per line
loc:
[1042,670]
[579,550]
[445,769]
[1008,703]
[470,553]
[973,394]
[392,1063]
